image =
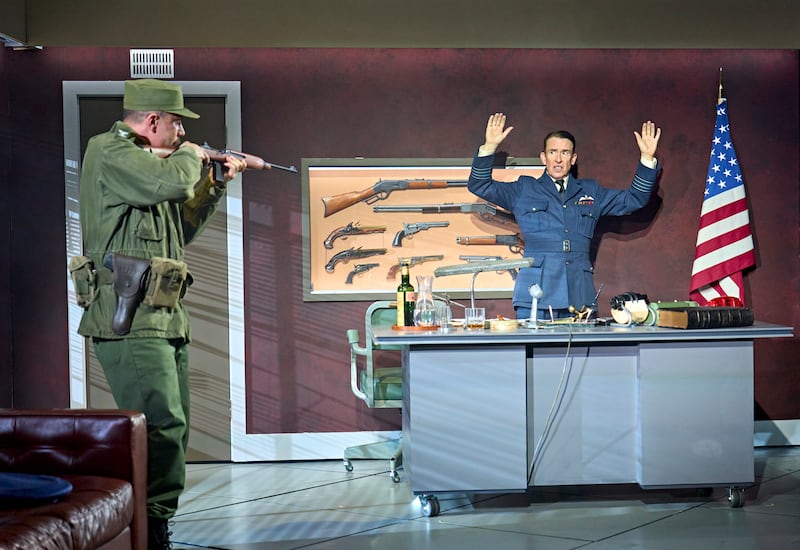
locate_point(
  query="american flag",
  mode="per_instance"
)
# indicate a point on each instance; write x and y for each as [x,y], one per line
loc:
[724,246]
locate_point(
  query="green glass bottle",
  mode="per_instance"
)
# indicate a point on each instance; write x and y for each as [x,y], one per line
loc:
[405,299]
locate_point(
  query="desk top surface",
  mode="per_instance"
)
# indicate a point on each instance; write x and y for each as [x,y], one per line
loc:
[576,332]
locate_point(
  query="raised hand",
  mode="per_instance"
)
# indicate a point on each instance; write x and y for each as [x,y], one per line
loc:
[496,132]
[648,139]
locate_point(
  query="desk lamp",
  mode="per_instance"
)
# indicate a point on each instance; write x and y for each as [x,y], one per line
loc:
[478,267]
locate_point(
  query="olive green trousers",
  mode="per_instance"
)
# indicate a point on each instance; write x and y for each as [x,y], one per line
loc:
[151,375]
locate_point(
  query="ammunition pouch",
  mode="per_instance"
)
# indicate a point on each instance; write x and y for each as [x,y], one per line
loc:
[130,275]
[168,281]
[84,279]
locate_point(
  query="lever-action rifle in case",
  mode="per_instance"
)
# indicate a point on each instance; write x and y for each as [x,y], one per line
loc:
[381,190]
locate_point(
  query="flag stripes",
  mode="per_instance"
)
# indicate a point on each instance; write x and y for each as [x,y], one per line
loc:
[724,246]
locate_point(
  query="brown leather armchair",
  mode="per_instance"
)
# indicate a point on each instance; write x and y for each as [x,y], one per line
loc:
[102,453]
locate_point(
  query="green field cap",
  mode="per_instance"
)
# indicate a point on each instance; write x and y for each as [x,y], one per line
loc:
[148,94]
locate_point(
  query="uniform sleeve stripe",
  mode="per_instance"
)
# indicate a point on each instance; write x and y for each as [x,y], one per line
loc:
[482,173]
[641,184]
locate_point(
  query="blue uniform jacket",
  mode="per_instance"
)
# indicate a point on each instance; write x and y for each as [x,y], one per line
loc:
[558,231]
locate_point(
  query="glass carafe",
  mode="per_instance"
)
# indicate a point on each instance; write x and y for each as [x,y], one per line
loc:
[425,308]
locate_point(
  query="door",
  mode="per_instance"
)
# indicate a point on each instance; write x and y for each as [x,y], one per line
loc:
[91,108]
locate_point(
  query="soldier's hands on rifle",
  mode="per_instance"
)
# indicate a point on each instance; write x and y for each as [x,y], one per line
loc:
[201,153]
[496,132]
[233,165]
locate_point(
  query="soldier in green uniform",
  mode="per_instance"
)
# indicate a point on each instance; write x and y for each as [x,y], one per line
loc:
[144,209]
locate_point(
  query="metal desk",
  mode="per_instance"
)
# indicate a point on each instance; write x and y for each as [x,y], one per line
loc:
[577,404]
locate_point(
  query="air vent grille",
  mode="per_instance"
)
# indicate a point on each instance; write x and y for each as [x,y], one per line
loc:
[152,64]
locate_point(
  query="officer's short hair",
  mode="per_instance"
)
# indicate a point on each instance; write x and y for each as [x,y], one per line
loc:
[562,134]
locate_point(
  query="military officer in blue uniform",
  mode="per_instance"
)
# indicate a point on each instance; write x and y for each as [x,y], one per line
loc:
[557,215]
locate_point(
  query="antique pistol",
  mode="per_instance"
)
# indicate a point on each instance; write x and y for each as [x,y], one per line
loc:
[352,228]
[358,268]
[412,261]
[346,255]
[414,228]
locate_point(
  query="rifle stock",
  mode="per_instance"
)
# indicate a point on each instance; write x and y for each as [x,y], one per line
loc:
[339,202]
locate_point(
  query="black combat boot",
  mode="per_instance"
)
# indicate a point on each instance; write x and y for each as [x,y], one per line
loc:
[158,534]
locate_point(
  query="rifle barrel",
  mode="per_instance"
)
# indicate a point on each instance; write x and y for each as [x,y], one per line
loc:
[253,162]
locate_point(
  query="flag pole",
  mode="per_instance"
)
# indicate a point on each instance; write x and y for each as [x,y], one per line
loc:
[719,95]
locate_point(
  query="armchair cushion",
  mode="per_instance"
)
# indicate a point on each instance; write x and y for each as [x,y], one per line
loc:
[101,453]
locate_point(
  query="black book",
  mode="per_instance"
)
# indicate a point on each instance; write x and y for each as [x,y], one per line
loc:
[705,317]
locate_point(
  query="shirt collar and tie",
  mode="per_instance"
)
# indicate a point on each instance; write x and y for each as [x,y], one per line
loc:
[561,184]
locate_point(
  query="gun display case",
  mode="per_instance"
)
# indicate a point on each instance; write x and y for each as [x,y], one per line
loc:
[361,216]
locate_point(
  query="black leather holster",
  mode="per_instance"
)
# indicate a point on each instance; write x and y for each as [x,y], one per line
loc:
[130,281]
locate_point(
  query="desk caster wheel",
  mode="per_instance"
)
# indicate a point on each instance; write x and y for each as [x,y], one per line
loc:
[395,476]
[430,505]
[348,465]
[735,497]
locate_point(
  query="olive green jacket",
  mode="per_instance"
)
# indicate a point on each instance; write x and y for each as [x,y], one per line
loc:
[135,203]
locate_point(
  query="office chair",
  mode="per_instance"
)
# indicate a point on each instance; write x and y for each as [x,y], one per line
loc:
[377,387]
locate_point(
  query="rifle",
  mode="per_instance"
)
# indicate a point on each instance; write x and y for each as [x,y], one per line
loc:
[358,268]
[412,261]
[352,228]
[414,228]
[485,210]
[381,190]
[217,157]
[347,255]
[469,259]
[513,242]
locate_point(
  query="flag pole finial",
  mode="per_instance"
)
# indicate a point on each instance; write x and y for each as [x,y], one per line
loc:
[719,94]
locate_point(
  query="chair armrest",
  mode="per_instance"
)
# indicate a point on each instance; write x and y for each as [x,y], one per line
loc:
[355,351]
[93,442]
[352,339]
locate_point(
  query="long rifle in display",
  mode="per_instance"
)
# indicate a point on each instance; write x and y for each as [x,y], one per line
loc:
[485,210]
[381,190]
[514,242]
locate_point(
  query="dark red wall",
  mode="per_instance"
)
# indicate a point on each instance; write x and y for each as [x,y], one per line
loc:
[384,103]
